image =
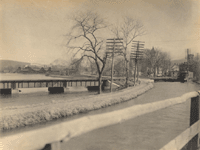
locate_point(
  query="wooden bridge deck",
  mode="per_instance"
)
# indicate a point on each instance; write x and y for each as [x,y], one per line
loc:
[47,83]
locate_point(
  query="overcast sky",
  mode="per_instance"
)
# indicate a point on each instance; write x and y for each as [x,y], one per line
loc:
[32,30]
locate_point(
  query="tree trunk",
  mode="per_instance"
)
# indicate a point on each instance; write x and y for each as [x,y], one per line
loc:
[157,70]
[100,85]
[154,71]
[127,73]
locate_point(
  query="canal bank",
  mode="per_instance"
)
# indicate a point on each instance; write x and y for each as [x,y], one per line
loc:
[19,116]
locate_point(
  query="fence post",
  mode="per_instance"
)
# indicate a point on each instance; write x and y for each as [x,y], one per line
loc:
[193,144]
[198,136]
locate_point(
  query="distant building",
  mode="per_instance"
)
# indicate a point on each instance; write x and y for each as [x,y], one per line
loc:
[158,71]
[174,70]
[42,70]
[27,69]
[175,67]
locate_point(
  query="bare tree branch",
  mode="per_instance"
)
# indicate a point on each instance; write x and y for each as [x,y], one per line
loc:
[129,29]
[85,32]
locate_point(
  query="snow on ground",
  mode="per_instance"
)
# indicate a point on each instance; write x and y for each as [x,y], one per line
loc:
[18,116]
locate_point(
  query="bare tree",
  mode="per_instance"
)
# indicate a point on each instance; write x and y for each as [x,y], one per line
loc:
[93,67]
[152,57]
[84,39]
[165,63]
[129,29]
[155,59]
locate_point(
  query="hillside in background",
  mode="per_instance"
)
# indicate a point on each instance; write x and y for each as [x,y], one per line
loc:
[10,65]
[60,62]
[178,61]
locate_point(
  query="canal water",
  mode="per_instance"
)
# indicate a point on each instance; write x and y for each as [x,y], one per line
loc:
[28,96]
[147,132]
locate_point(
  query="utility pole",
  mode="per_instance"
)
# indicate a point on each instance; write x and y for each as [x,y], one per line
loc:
[115,47]
[136,55]
[112,68]
[136,65]
[187,62]
[135,68]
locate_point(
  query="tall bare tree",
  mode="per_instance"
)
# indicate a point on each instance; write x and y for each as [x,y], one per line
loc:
[165,62]
[84,39]
[128,29]
[155,59]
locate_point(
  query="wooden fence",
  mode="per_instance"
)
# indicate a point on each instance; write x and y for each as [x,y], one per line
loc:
[189,139]
[51,137]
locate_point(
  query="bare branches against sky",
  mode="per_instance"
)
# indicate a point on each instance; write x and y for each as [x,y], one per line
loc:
[32,30]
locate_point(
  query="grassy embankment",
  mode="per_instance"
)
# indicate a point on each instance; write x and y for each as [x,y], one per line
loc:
[19,116]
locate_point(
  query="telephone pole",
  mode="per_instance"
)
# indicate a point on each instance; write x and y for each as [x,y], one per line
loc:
[136,54]
[187,62]
[113,46]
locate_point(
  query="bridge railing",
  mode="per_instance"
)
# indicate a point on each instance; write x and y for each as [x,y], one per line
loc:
[52,137]
[189,139]
[5,84]
[13,84]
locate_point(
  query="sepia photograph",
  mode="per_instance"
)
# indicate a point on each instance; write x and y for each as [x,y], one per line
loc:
[99,75]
